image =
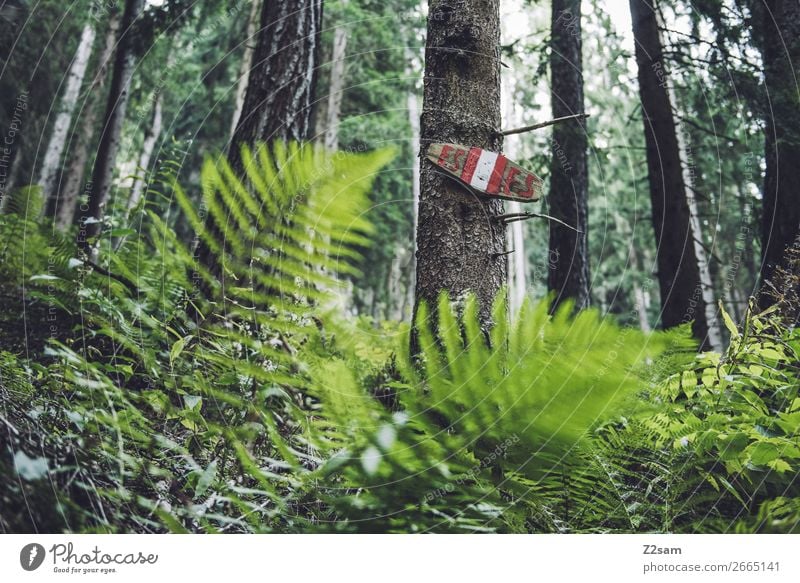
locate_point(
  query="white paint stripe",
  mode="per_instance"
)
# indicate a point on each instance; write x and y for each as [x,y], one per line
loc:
[483,171]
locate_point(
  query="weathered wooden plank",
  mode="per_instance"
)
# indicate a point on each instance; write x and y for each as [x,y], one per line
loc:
[486,172]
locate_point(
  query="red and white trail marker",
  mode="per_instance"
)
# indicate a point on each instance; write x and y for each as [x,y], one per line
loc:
[487,172]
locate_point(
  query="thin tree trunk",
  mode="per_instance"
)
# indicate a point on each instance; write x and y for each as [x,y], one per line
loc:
[678,271]
[459,244]
[11,179]
[729,297]
[66,201]
[150,139]
[748,255]
[517,264]
[118,96]
[639,296]
[247,62]
[58,139]
[569,181]
[336,88]
[781,55]
[517,260]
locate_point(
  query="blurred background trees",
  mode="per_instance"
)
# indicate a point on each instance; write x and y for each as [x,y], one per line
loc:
[190,66]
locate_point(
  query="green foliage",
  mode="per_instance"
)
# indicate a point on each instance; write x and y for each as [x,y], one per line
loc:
[174,400]
[509,387]
[162,382]
[738,416]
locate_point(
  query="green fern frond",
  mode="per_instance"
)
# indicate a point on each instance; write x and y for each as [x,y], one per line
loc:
[548,382]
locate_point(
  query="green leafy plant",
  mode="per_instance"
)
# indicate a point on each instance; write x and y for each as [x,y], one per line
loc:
[179,395]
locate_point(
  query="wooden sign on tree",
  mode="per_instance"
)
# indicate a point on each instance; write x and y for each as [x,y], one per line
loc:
[486,172]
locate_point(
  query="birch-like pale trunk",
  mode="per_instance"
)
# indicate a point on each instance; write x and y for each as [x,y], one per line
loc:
[640,298]
[58,139]
[67,199]
[706,283]
[150,139]
[517,261]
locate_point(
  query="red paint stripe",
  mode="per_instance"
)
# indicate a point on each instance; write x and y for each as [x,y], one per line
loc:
[497,175]
[470,164]
[443,155]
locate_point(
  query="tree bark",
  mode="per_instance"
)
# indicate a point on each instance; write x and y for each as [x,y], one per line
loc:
[517,260]
[247,62]
[781,211]
[148,146]
[336,88]
[459,244]
[66,201]
[118,96]
[714,336]
[569,180]
[640,297]
[58,139]
[413,121]
[280,90]
[678,271]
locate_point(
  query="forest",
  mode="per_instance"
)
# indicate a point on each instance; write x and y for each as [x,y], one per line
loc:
[399,266]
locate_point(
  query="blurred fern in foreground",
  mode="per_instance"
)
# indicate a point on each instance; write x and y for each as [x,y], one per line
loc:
[231,395]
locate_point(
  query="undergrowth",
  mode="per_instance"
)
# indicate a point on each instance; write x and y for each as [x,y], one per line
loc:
[146,391]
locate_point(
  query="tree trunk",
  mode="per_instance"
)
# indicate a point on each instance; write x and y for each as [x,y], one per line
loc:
[58,139]
[280,90]
[640,298]
[678,271]
[66,201]
[118,96]
[150,139]
[517,260]
[714,337]
[569,181]
[781,55]
[247,62]
[413,120]
[336,88]
[517,263]
[459,244]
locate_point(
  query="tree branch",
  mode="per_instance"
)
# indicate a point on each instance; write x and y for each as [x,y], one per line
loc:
[543,124]
[512,217]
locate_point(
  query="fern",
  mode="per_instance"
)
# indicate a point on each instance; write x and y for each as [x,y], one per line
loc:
[231,396]
[548,380]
